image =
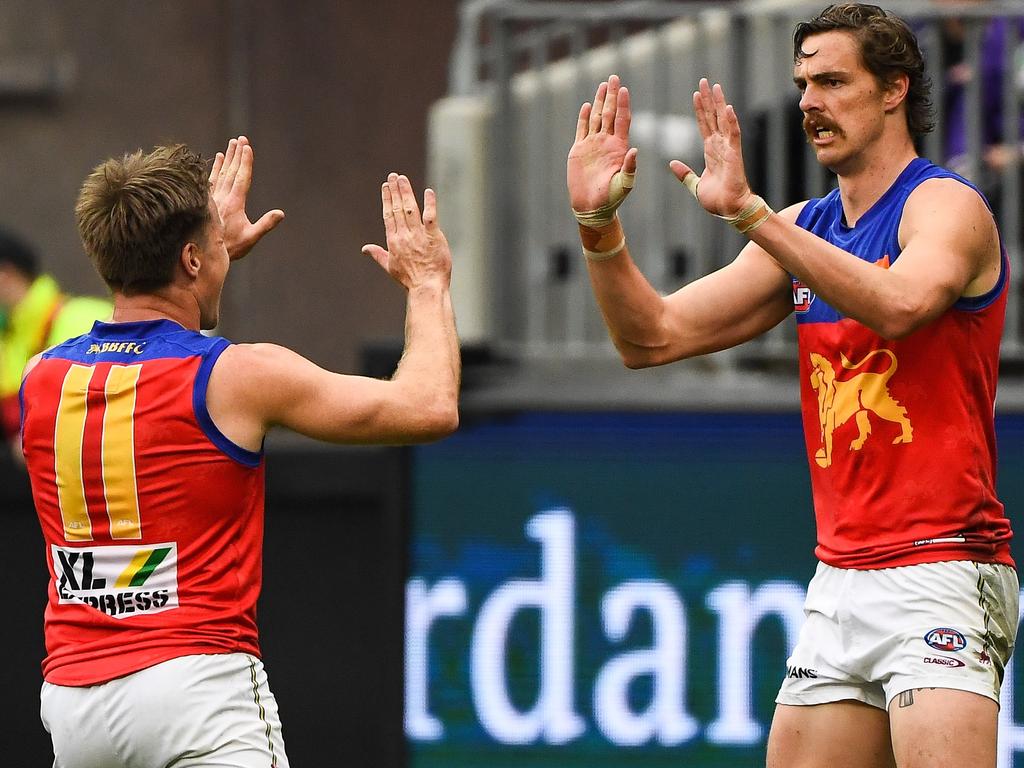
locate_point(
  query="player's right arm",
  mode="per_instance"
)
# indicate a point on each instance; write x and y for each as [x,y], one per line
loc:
[255,387]
[722,309]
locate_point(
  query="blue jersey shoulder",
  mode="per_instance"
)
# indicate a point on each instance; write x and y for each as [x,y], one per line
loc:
[135,342]
[874,238]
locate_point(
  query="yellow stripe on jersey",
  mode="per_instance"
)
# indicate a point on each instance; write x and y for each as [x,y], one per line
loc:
[119,485]
[68,432]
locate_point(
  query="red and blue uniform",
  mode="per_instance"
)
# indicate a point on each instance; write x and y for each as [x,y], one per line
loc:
[900,434]
[152,518]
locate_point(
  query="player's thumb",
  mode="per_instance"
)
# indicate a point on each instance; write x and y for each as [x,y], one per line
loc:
[629,161]
[686,175]
[268,221]
[376,253]
[680,169]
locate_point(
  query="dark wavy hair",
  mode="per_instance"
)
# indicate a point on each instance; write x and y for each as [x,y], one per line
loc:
[888,48]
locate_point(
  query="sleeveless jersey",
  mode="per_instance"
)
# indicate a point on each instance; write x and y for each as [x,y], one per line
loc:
[900,435]
[152,518]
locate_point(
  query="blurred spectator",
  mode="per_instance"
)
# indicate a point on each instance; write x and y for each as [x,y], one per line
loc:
[998,150]
[35,315]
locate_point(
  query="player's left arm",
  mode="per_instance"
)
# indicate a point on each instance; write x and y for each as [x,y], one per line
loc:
[950,249]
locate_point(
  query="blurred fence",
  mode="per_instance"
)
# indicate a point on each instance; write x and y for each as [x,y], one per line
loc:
[520,71]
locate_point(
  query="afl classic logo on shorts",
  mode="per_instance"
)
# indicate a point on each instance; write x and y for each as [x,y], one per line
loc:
[945,639]
[802,297]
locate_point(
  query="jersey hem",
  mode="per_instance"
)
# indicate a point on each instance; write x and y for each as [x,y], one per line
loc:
[918,558]
[76,674]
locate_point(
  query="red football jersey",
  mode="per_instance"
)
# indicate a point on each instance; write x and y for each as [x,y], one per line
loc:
[152,519]
[900,434]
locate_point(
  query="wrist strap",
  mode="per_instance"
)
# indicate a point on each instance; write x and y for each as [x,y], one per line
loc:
[605,255]
[750,218]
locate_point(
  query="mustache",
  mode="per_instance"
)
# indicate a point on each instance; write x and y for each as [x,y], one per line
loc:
[812,124]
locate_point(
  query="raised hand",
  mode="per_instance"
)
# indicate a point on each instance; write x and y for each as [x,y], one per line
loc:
[230,179]
[723,188]
[601,152]
[417,252]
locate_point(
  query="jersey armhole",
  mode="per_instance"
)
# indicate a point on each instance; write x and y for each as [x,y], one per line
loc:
[983,300]
[232,450]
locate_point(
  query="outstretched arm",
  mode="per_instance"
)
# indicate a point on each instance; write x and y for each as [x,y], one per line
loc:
[943,257]
[254,387]
[723,309]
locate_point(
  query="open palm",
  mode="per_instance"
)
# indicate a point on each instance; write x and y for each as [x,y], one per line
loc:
[601,148]
[723,185]
[230,179]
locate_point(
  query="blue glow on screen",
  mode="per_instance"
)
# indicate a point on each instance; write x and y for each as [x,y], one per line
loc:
[591,588]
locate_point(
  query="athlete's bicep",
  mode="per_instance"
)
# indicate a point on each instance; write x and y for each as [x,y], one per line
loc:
[255,387]
[946,256]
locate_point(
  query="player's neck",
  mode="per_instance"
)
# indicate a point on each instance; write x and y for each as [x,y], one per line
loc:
[867,177]
[155,306]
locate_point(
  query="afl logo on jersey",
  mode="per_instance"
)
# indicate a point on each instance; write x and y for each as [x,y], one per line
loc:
[802,297]
[945,639]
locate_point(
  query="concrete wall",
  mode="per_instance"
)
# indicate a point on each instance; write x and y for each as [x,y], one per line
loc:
[333,94]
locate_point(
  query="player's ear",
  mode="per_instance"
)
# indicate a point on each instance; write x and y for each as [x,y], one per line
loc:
[190,258]
[896,90]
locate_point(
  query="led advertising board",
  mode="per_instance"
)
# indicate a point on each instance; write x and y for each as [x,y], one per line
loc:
[593,590]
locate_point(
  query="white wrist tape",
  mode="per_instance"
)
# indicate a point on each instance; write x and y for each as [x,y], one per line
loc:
[620,186]
[750,218]
[605,255]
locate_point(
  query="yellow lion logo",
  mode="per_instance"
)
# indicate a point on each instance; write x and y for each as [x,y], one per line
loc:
[860,395]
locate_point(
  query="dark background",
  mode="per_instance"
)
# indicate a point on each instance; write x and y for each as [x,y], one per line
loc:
[330,615]
[333,94]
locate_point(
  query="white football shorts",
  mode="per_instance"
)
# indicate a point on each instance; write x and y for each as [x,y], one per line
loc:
[869,635]
[214,711]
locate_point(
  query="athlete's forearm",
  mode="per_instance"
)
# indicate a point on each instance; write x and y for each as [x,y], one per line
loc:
[430,367]
[883,300]
[631,308]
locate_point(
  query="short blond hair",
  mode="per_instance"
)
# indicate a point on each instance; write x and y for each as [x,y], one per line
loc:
[136,213]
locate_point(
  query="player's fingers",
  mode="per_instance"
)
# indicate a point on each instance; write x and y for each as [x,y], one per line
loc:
[698,113]
[623,114]
[410,208]
[378,254]
[629,161]
[708,105]
[390,227]
[222,183]
[611,101]
[396,203]
[595,112]
[218,161]
[429,209]
[732,123]
[582,120]
[229,158]
[718,95]
[232,163]
[243,175]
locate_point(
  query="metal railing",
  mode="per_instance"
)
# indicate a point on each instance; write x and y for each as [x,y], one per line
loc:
[520,71]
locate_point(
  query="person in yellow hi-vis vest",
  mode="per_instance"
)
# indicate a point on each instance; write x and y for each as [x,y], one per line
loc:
[34,315]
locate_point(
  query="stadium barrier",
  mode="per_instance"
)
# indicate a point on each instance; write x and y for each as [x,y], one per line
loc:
[497,147]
